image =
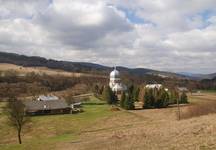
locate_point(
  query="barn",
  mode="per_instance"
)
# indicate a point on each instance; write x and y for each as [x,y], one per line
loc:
[46,105]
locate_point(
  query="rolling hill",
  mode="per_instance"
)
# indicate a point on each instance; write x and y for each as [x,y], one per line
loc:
[82,67]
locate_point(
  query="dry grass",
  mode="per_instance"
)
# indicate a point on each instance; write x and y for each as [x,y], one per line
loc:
[204,104]
[41,70]
[202,97]
[150,129]
[199,110]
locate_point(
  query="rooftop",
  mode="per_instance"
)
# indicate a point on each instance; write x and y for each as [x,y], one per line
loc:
[45,105]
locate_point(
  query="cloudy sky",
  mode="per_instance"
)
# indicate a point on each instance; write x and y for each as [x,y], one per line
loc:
[170,35]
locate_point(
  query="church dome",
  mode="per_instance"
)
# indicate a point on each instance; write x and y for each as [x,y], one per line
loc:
[115,73]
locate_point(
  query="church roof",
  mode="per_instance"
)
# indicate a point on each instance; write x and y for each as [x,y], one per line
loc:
[114,73]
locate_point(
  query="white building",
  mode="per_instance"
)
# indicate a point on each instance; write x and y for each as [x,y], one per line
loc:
[155,86]
[115,82]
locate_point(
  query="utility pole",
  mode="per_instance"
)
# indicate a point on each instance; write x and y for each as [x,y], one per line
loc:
[179,115]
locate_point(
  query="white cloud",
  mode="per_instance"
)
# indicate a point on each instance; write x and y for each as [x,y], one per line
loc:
[177,35]
[81,25]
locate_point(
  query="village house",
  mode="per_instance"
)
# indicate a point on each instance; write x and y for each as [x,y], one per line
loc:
[155,86]
[46,105]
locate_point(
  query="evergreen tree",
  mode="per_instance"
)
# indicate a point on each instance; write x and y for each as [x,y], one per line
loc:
[156,98]
[107,95]
[152,97]
[183,98]
[128,103]
[164,98]
[174,96]
[131,89]
[136,94]
[122,101]
[147,98]
[114,97]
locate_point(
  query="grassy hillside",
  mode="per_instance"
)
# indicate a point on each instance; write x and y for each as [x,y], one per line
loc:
[100,128]
[45,131]
[41,70]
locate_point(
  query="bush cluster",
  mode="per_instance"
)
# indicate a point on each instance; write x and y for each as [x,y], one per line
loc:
[127,101]
[156,98]
[160,98]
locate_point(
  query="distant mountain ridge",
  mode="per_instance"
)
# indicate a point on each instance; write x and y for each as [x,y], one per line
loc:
[199,76]
[84,67]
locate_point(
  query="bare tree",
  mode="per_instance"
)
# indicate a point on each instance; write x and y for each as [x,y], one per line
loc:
[16,115]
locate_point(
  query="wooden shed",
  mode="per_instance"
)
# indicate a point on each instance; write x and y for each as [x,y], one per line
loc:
[46,107]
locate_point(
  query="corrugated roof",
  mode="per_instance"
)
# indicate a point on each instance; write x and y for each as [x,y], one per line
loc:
[45,105]
[47,98]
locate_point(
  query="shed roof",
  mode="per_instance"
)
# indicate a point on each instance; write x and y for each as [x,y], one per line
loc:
[45,105]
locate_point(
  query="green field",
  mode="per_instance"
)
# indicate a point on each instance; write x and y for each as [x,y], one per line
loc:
[45,131]
[99,128]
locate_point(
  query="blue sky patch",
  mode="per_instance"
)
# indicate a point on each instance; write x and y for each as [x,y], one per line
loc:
[131,15]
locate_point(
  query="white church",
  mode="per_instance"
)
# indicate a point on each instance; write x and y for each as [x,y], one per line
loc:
[115,82]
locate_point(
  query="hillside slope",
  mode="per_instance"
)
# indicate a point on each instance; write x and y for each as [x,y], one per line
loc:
[43,70]
[83,67]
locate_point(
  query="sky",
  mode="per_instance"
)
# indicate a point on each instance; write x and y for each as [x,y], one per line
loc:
[168,35]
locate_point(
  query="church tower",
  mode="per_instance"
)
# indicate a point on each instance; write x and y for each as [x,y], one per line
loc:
[115,82]
[114,78]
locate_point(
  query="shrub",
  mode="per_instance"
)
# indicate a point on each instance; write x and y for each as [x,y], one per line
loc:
[148,98]
[122,100]
[156,98]
[174,97]
[109,96]
[183,98]
[128,103]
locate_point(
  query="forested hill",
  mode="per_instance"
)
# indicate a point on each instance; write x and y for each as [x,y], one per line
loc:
[31,61]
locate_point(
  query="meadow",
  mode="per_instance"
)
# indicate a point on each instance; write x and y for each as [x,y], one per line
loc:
[98,127]
[43,132]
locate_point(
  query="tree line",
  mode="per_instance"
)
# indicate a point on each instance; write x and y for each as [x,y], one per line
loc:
[33,83]
[151,97]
